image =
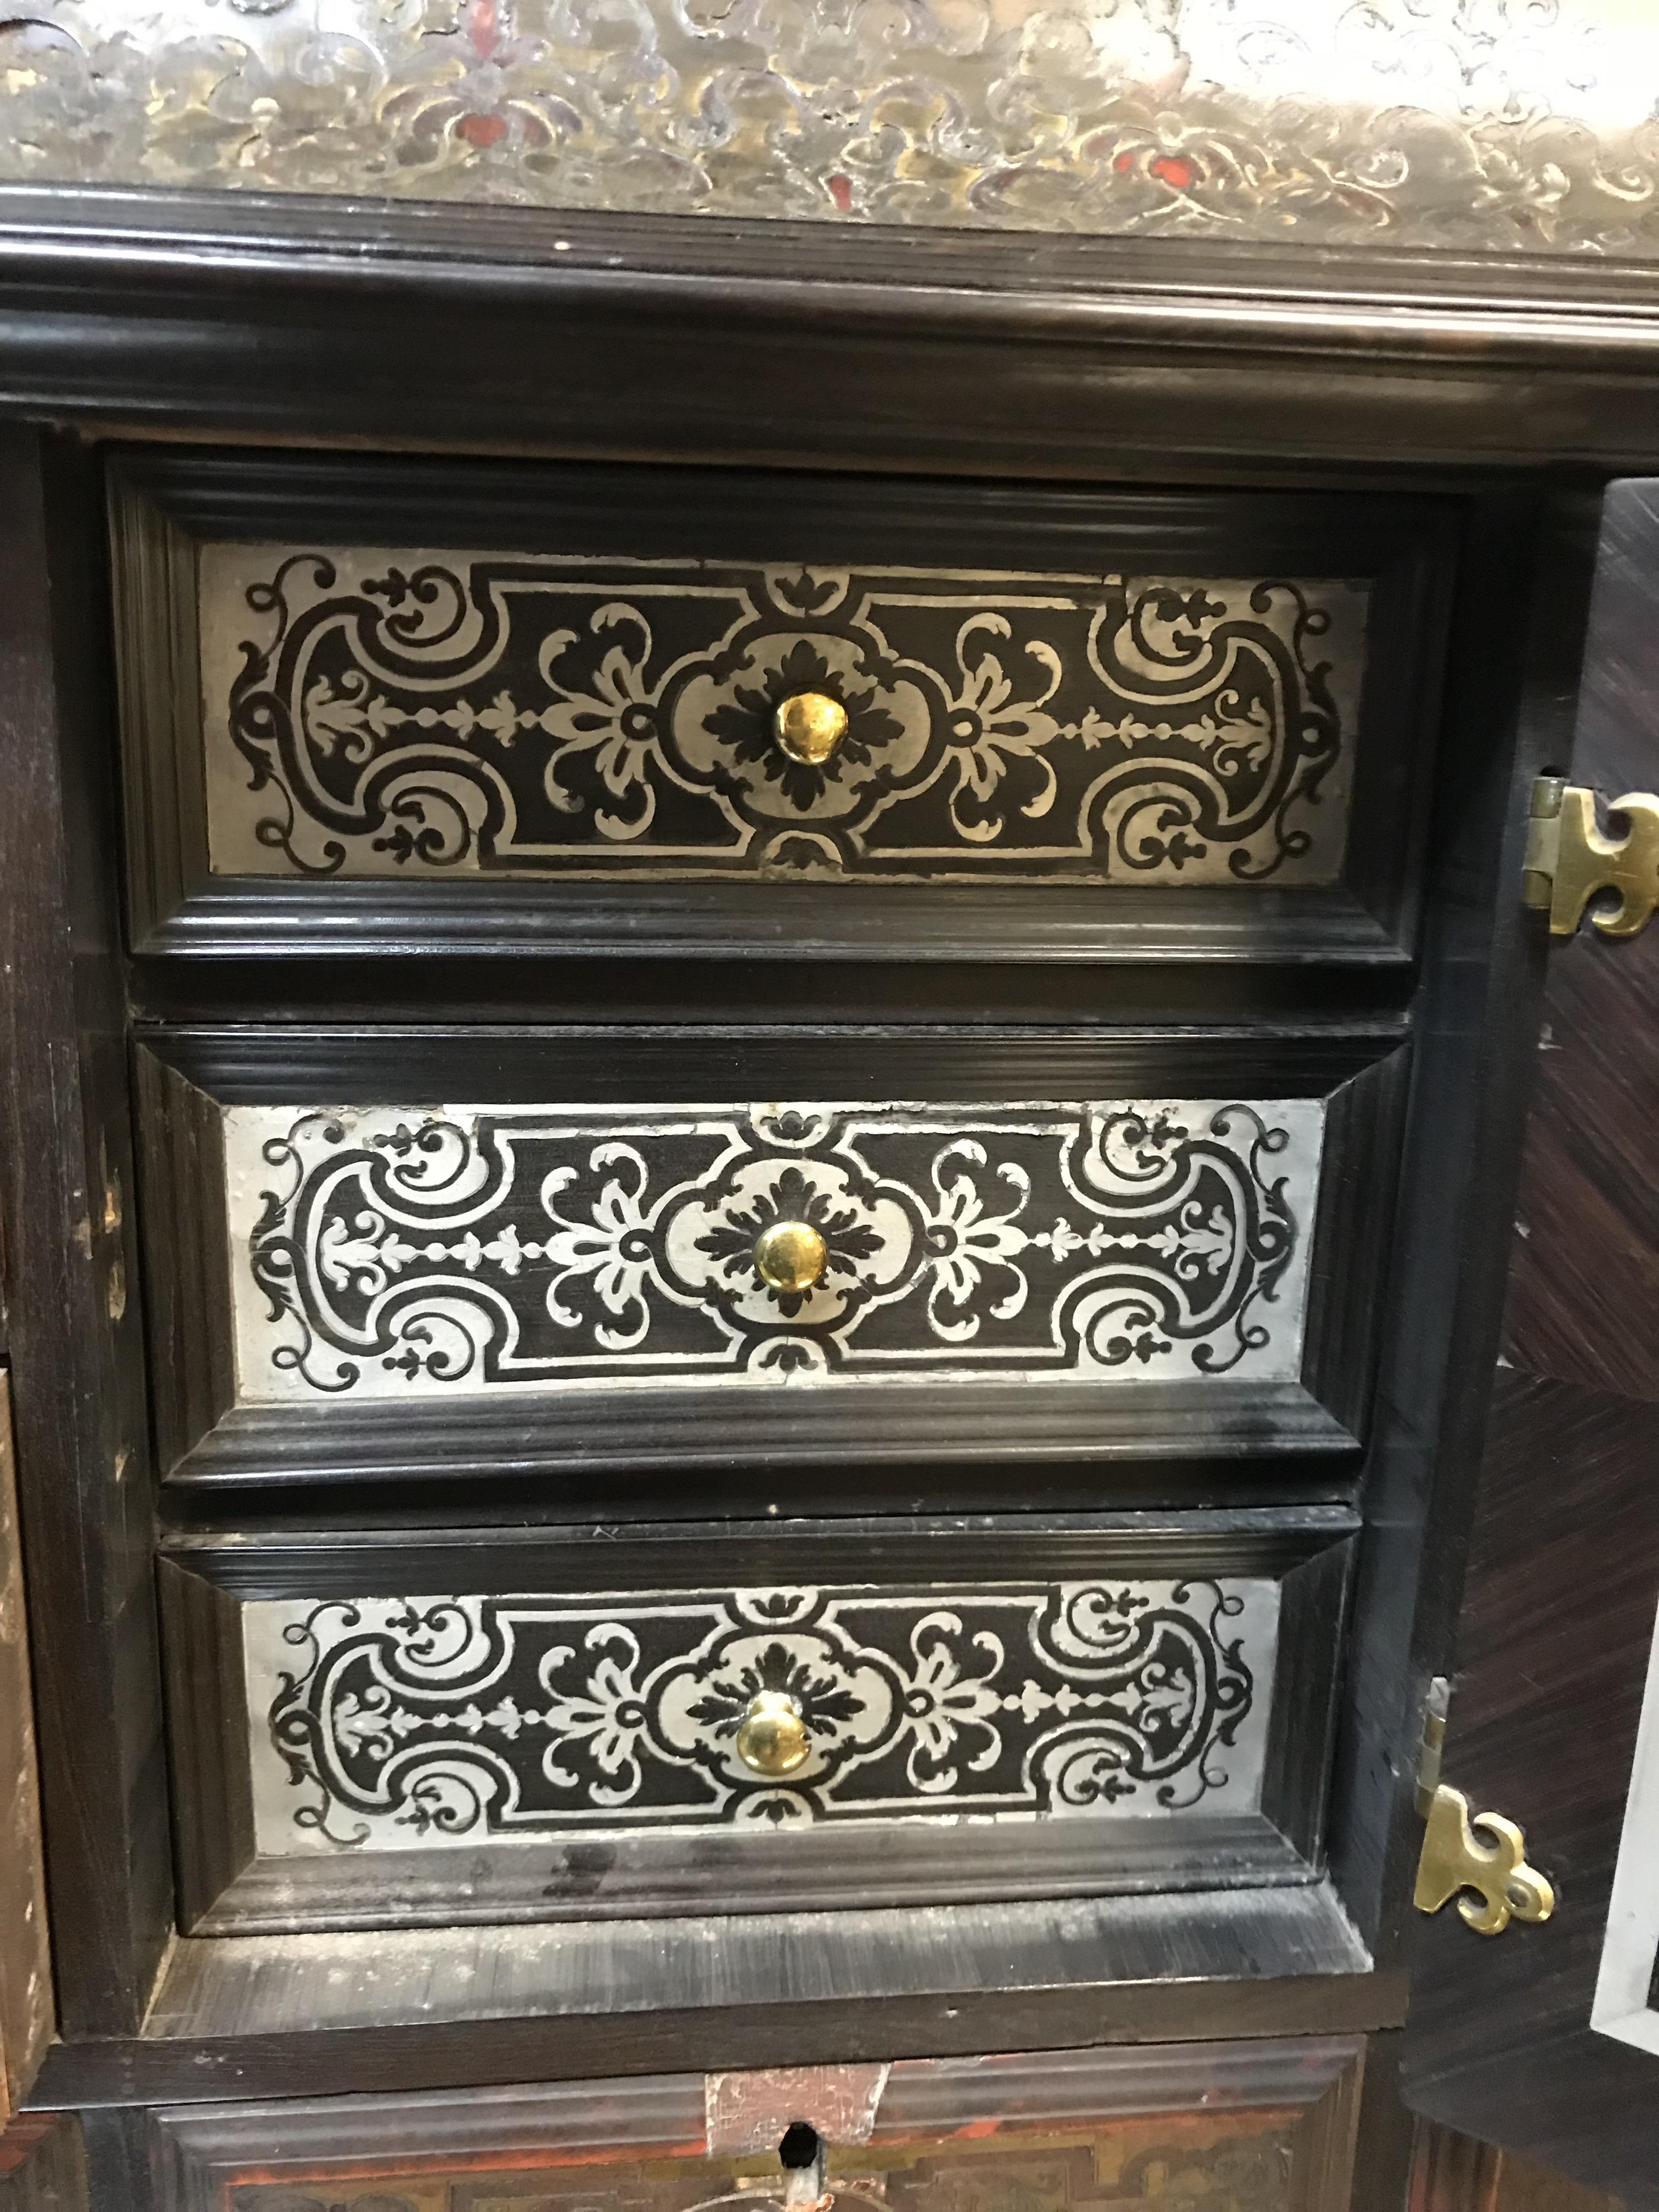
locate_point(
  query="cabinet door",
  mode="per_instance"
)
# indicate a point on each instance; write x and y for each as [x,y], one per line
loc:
[1545,2039]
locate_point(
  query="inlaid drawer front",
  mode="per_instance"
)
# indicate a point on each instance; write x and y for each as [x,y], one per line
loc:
[635,696]
[436,1719]
[390,1250]
[798,1282]
[370,710]
[1114,1721]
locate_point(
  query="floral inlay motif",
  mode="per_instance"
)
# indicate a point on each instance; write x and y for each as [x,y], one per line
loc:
[439,1719]
[380,1250]
[372,713]
[1517,125]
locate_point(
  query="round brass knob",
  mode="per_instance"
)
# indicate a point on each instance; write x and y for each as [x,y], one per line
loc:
[790,1255]
[810,726]
[772,1738]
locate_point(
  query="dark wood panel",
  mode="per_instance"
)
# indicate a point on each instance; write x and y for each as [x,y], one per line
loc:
[1584,1268]
[26,1997]
[1563,1572]
[280,317]
[1526,583]
[295,2015]
[66,1186]
[1270,2124]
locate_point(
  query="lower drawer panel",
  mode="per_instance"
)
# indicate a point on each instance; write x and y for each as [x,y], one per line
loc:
[1260,2127]
[448,1732]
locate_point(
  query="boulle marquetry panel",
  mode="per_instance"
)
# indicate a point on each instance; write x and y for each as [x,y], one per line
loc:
[357,1741]
[1221,2126]
[392,1250]
[541,711]
[1500,127]
[589,1283]
[435,1720]
[374,711]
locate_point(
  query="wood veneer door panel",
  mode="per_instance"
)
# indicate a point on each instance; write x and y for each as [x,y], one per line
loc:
[1563,1576]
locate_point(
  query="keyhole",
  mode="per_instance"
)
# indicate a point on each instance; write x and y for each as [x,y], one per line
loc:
[801,2146]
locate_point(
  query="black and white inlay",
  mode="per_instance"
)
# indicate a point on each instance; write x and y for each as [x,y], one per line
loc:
[382,1250]
[378,712]
[393,1722]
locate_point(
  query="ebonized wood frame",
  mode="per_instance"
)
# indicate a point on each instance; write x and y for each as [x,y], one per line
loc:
[162,314]
[196,2155]
[165,505]
[596,1451]
[280,317]
[225,1888]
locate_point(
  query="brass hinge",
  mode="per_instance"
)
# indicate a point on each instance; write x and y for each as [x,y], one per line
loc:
[1569,861]
[1492,1865]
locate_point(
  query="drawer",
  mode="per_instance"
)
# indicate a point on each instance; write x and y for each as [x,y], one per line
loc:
[471,1728]
[422,707]
[1033,1254]
[1261,2126]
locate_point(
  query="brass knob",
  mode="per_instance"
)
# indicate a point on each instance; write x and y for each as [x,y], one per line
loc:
[810,726]
[772,1738]
[790,1255]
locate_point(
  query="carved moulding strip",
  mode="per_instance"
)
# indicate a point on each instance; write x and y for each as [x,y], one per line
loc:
[380,1251]
[406,713]
[405,1723]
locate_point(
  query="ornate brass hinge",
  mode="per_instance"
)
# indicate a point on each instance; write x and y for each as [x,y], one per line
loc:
[1569,861]
[1490,1870]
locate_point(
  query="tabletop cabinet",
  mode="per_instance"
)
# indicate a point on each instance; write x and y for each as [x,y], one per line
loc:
[758,1215]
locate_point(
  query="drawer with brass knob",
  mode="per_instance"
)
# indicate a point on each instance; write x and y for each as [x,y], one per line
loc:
[378,708]
[784,1259]
[472,1726]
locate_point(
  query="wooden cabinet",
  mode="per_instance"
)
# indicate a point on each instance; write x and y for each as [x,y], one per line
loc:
[760,1178]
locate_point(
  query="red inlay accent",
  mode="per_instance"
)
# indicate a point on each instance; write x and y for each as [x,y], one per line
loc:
[482,129]
[841,191]
[1174,170]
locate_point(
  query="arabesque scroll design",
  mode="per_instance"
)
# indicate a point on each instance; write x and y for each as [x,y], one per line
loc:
[483,1249]
[483,714]
[443,1719]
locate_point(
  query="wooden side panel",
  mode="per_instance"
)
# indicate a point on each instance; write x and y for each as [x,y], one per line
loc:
[66,1192]
[26,2006]
[1563,1575]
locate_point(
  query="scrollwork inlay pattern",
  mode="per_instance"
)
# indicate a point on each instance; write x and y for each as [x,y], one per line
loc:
[380,1251]
[1518,125]
[373,713]
[395,1722]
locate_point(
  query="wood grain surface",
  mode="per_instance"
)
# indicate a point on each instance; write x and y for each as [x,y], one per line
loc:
[1563,1574]
[25,2001]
